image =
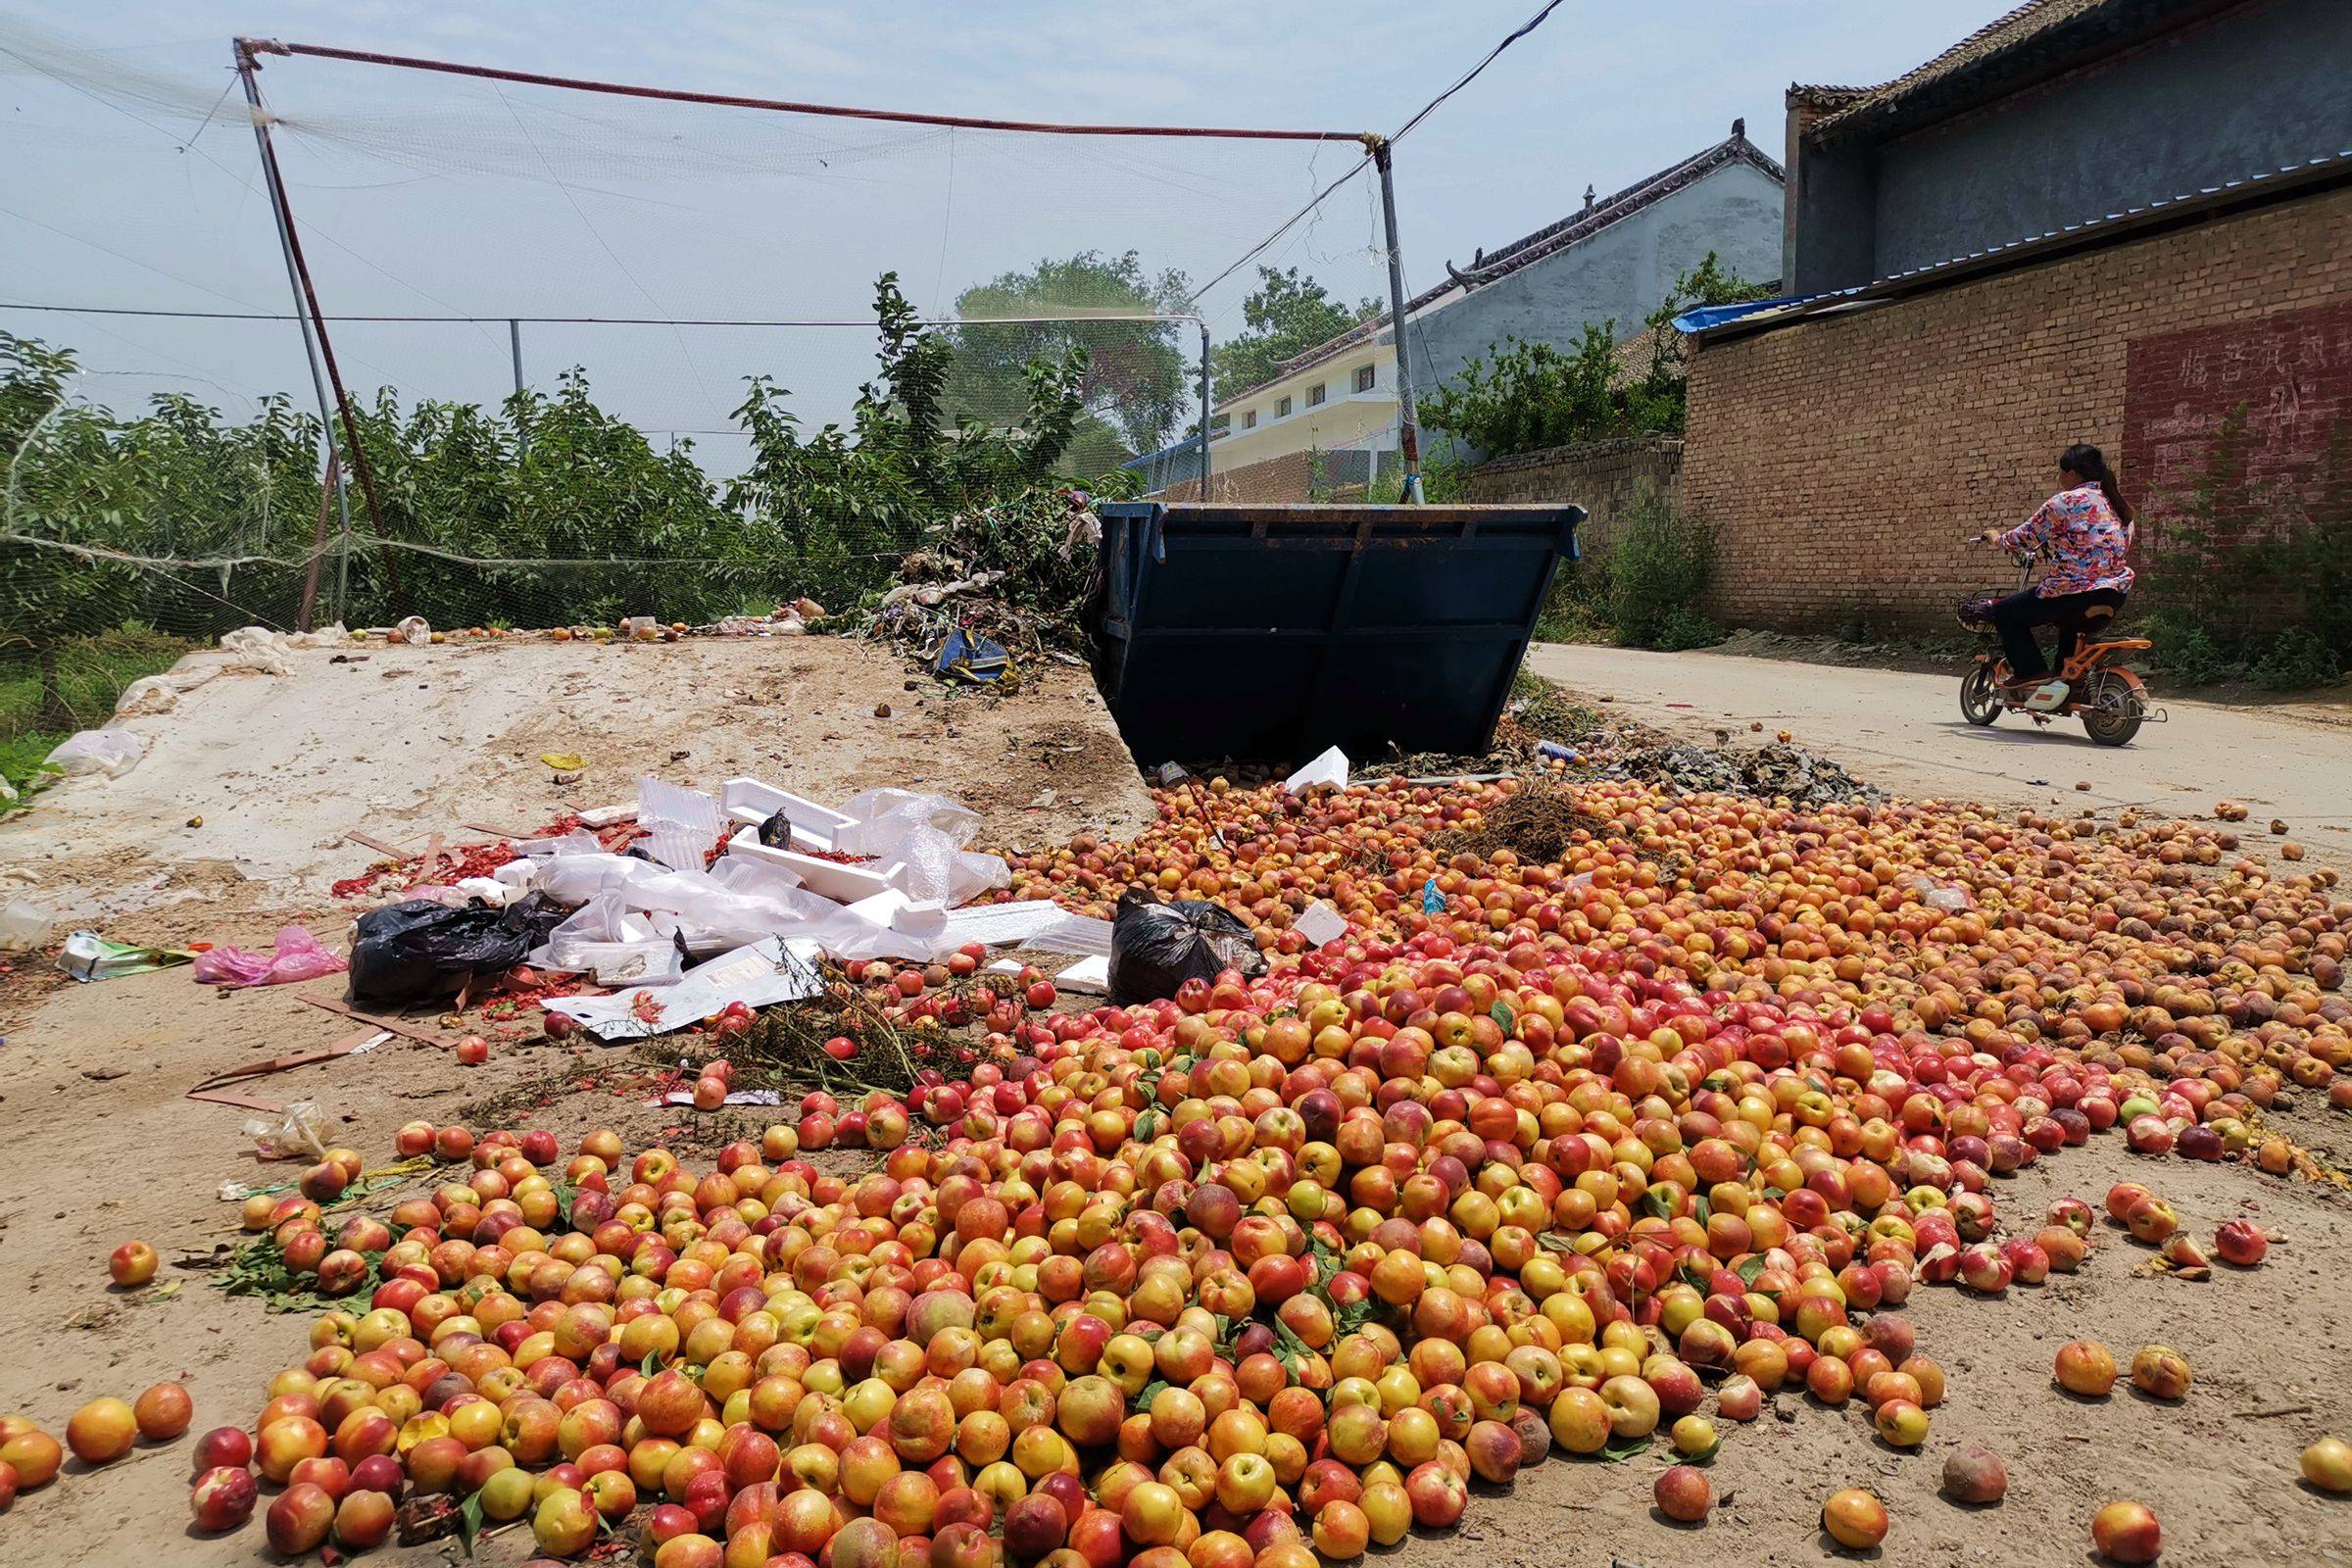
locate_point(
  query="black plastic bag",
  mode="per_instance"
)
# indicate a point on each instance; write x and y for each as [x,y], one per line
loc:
[1155,947]
[776,832]
[413,951]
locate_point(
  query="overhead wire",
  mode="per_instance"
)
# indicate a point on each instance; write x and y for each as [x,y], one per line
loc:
[1365,162]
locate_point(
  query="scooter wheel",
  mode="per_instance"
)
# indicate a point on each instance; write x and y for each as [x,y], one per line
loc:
[1980,696]
[2111,709]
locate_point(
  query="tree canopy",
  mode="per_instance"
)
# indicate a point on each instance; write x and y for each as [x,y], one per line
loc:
[1138,375]
[1287,315]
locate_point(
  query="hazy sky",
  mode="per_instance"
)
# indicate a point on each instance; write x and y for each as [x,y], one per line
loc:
[425,195]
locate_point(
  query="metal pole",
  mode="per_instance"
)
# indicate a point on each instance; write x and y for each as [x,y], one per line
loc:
[1408,425]
[522,435]
[1204,411]
[333,477]
[306,299]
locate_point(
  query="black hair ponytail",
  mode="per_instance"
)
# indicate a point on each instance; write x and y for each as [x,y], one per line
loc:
[2091,464]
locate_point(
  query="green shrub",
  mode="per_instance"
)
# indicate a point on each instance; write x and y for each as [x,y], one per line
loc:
[1659,566]
[1687,628]
[2297,660]
[1524,397]
[2185,650]
[1576,610]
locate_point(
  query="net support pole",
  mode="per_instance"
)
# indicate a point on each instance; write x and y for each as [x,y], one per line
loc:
[306,305]
[1409,425]
[332,478]
[1204,411]
[522,432]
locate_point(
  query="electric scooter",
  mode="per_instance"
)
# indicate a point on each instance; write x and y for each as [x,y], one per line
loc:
[2090,682]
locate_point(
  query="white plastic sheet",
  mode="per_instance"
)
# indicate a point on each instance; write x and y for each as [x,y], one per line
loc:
[110,750]
[925,836]
[24,926]
[757,974]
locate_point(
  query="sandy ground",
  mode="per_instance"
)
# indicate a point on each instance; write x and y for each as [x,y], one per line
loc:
[104,1148]
[1902,731]
[244,797]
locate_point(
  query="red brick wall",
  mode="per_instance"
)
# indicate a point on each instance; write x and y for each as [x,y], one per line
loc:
[1843,460]
[2291,374]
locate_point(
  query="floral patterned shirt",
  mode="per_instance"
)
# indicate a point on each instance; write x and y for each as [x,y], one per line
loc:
[2084,539]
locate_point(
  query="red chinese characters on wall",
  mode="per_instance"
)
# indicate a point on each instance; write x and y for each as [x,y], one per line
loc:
[2293,374]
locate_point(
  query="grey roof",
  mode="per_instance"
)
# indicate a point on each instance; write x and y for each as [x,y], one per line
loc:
[2331,170]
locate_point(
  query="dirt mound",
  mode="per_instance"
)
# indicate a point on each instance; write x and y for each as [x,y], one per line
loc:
[1538,825]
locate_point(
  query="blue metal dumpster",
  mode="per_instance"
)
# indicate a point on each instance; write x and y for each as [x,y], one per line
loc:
[1267,632]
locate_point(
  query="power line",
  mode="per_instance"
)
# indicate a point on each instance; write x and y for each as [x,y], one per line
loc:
[1365,162]
[602,320]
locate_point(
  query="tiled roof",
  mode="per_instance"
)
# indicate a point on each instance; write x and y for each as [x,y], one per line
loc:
[1819,96]
[1488,267]
[1998,40]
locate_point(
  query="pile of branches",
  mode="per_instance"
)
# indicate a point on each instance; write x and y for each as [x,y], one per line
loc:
[1022,569]
[787,1043]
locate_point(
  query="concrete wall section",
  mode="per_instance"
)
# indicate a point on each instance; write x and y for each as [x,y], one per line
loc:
[2256,90]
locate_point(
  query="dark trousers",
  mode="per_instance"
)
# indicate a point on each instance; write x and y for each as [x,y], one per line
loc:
[2016,616]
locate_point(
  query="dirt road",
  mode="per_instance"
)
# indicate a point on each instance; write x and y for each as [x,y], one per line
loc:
[1903,731]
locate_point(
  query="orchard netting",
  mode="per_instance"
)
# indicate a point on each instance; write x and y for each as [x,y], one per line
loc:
[608,355]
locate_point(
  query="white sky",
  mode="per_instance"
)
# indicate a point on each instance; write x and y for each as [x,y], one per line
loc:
[425,195]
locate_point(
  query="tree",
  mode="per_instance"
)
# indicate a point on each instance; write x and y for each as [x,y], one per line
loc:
[1523,397]
[1138,376]
[1287,315]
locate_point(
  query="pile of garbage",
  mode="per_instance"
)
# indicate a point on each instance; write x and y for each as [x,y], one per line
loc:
[713,900]
[1774,771]
[1009,580]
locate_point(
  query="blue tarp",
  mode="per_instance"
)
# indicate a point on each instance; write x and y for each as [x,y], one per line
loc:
[1700,318]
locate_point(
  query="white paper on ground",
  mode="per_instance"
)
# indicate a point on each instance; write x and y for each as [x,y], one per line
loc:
[1001,924]
[735,1096]
[607,815]
[629,963]
[758,974]
[1087,974]
[1329,768]
[1319,923]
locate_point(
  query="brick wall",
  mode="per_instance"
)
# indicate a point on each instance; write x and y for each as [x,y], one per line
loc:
[1602,477]
[1844,459]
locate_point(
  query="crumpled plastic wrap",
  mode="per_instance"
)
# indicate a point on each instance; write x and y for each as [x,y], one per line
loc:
[110,750]
[298,956]
[927,834]
[299,1132]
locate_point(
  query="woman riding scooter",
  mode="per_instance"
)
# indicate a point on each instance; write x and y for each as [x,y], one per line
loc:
[2086,530]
